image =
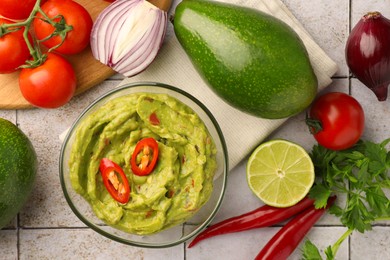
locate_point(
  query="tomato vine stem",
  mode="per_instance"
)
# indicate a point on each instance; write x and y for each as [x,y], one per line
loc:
[61,29]
[314,125]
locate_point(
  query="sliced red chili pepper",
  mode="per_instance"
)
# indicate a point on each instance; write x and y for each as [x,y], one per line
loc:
[284,242]
[147,149]
[118,188]
[263,216]
[153,119]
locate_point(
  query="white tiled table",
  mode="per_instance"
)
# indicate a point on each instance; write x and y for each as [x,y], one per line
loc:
[46,228]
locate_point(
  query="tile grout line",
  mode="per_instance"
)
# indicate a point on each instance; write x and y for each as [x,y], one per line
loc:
[18,215]
[88,228]
[349,31]
[350,92]
[18,237]
[184,244]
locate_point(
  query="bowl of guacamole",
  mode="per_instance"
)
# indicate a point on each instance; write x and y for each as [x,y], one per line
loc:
[145,165]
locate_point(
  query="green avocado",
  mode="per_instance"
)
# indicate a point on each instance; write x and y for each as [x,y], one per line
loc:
[252,60]
[18,167]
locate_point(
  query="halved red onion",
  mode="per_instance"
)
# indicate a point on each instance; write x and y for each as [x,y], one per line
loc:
[128,34]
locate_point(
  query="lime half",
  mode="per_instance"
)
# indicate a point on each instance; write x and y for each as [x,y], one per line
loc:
[280,173]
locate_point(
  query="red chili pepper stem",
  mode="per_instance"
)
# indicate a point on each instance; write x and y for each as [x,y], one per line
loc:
[261,217]
[284,242]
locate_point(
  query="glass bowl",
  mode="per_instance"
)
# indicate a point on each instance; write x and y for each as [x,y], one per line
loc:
[171,236]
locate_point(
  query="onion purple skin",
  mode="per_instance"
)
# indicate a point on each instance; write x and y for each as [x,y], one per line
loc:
[368,53]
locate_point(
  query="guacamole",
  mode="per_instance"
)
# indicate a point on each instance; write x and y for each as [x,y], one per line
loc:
[182,180]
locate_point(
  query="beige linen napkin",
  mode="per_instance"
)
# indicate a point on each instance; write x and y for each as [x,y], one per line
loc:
[242,132]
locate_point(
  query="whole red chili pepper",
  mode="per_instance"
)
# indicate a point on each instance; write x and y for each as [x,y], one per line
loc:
[284,242]
[261,217]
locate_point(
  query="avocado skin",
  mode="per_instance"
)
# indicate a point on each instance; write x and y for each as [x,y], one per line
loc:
[18,167]
[255,62]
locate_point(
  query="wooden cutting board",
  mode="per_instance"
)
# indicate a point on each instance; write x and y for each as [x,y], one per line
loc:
[89,71]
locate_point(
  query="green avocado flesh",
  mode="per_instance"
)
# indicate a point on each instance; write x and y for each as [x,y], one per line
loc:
[18,166]
[252,60]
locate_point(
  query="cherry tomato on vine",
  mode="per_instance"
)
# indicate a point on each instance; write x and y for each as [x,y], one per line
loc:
[16,9]
[340,118]
[13,50]
[50,85]
[74,15]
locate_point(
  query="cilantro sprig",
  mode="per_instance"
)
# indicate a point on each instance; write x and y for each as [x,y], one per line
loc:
[361,174]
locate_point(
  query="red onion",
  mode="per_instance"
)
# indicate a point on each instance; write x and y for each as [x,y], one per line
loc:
[128,34]
[368,53]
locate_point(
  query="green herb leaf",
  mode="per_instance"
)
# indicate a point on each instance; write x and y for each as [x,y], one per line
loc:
[329,253]
[320,194]
[361,175]
[310,251]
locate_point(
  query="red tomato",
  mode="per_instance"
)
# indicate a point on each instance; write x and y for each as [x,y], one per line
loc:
[75,15]
[13,50]
[49,85]
[16,9]
[342,120]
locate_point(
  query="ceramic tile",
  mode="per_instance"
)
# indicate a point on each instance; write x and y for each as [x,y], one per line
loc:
[361,7]
[9,115]
[85,244]
[377,114]
[8,244]
[324,237]
[327,23]
[247,244]
[371,245]
[46,207]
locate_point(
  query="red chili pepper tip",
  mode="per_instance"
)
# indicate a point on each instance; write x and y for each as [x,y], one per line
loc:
[284,242]
[264,216]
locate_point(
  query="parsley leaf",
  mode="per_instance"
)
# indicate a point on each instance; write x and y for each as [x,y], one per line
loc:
[359,173]
[310,251]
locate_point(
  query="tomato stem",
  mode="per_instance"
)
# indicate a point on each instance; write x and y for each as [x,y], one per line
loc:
[314,125]
[27,24]
[61,29]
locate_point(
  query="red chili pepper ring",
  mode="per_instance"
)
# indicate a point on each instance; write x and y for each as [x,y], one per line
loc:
[115,180]
[144,157]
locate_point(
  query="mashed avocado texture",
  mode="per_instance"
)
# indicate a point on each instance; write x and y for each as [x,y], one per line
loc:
[180,184]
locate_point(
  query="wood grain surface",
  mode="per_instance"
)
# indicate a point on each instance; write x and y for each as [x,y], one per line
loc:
[89,71]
